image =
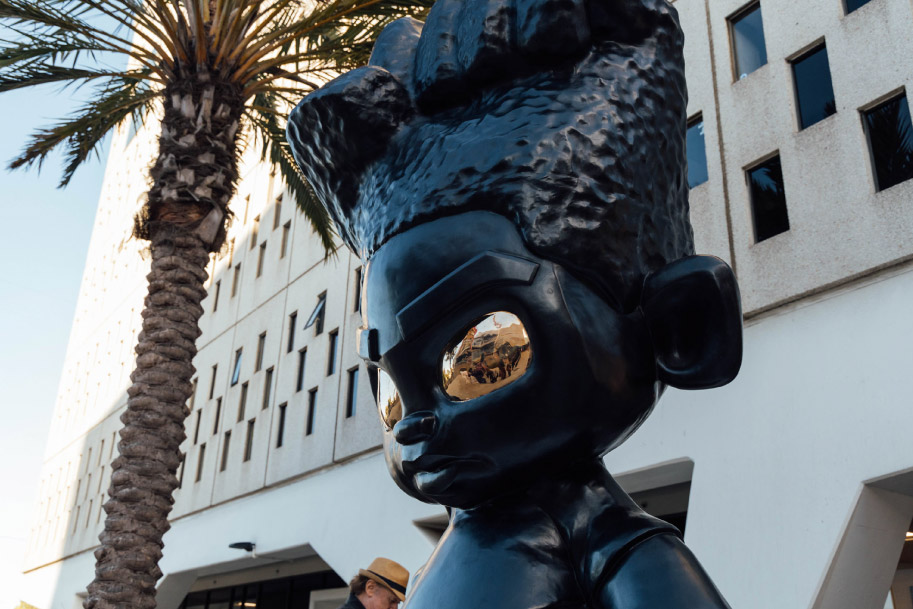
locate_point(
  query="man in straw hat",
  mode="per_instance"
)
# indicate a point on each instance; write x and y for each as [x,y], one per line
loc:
[381,586]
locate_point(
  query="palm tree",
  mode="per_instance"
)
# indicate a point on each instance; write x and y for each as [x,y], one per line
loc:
[216,73]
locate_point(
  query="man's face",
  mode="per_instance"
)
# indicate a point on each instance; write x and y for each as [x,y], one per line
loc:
[377,597]
[463,294]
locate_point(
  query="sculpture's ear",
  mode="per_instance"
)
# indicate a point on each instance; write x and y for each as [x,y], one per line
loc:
[694,315]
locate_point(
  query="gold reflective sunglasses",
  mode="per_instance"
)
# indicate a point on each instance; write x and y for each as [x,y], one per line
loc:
[492,353]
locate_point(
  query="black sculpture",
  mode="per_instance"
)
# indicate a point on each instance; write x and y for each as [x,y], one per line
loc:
[513,174]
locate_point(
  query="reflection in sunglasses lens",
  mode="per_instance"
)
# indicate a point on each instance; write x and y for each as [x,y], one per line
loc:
[388,402]
[492,353]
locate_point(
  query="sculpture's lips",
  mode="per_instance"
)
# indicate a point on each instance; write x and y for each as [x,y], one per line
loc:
[435,473]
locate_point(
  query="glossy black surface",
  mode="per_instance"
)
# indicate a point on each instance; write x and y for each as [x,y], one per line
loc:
[520,166]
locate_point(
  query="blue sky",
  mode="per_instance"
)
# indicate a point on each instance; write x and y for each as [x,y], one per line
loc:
[45,237]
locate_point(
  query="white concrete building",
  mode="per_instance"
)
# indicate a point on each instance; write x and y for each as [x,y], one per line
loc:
[795,482]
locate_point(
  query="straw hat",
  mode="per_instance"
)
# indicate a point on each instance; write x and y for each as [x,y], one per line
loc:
[391,575]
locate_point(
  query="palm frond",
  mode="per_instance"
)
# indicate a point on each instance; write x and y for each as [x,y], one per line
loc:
[81,134]
[264,117]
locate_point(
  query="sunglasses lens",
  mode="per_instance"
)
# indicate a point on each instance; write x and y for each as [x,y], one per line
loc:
[492,353]
[388,400]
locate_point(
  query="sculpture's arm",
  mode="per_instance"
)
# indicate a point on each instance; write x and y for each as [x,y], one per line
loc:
[660,573]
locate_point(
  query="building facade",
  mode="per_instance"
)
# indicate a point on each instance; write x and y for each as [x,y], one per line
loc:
[794,484]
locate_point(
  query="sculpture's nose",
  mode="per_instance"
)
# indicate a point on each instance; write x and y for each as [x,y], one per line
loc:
[415,428]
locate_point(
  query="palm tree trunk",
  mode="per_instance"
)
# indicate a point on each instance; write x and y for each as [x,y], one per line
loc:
[194,178]
[144,475]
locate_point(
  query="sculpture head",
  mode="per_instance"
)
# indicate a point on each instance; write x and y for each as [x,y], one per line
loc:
[493,163]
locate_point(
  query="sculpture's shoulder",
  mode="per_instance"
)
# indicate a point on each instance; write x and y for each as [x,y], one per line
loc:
[624,558]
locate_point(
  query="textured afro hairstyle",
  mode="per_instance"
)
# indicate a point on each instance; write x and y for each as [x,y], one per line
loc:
[566,118]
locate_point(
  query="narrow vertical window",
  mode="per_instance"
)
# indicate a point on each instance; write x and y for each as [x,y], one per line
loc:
[277,212]
[697,152]
[231,251]
[747,34]
[236,372]
[286,233]
[212,381]
[249,441]
[246,207]
[292,322]
[267,387]
[254,232]
[317,315]
[242,403]
[200,462]
[196,428]
[890,134]
[76,520]
[261,347]
[101,451]
[358,280]
[226,443]
[100,506]
[260,256]
[852,5]
[190,402]
[768,199]
[331,352]
[235,280]
[302,360]
[814,91]
[215,420]
[352,393]
[280,433]
[215,296]
[89,513]
[181,469]
[312,409]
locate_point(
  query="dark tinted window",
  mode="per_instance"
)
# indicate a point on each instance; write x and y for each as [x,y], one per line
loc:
[697,153]
[814,92]
[352,393]
[768,199]
[750,52]
[852,5]
[891,141]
